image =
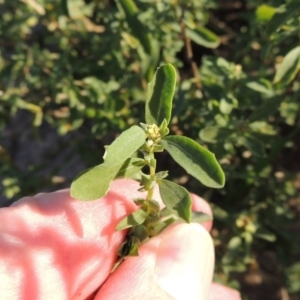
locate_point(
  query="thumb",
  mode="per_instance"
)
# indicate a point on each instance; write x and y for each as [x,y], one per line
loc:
[177,264]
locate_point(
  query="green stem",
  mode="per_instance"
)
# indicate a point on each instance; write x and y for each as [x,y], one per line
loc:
[152,175]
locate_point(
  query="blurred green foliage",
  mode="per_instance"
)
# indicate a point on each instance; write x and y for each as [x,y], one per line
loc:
[82,68]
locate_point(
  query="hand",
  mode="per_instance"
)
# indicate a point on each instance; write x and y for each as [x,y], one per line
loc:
[55,247]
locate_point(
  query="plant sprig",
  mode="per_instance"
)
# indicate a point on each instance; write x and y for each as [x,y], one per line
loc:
[149,138]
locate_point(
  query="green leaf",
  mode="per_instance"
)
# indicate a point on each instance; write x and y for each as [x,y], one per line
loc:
[203,36]
[262,86]
[200,217]
[138,29]
[254,145]
[265,235]
[235,242]
[160,95]
[264,12]
[289,67]
[176,198]
[282,15]
[195,159]
[227,104]
[74,8]
[214,134]
[124,145]
[92,183]
[135,218]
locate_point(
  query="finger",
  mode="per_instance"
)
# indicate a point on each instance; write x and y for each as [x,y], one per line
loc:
[177,264]
[52,244]
[221,292]
[55,247]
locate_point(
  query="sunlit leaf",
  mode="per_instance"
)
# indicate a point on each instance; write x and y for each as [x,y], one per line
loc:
[75,8]
[203,36]
[235,242]
[160,95]
[266,235]
[176,198]
[289,67]
[227,104]
[262,86]
[94,183]
[264,12]
[195,159]
[124,145]
[135,218]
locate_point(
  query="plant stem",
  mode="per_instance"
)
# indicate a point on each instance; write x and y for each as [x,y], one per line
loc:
[152,175]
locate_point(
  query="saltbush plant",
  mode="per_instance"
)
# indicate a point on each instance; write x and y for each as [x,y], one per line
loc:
[151,137]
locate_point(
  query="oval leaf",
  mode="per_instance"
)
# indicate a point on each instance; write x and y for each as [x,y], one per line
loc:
[136,218]
[262,86]
[176,198]
[203,36]
[195,159]
[227,104]
[289,67]
[92,183]
[264,12]
[124,145]
[160,95]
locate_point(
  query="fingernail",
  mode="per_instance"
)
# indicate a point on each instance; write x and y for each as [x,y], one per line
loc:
[185,262]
